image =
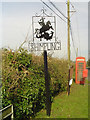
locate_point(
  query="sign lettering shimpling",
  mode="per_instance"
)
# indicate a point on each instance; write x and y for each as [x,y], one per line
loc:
[45,46]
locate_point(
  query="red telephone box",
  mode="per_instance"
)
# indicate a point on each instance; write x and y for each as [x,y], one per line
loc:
[81,71]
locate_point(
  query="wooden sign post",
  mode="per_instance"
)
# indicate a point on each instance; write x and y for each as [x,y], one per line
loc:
[47,84]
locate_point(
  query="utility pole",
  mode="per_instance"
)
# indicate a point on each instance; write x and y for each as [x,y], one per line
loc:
[68,25]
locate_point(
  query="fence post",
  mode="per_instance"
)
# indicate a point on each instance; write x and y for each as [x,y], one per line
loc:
[12,116]
[68,82]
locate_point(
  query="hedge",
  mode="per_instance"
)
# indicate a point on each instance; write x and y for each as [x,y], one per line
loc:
[23,83]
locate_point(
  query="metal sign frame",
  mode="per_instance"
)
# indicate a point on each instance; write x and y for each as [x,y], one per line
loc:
[41,44]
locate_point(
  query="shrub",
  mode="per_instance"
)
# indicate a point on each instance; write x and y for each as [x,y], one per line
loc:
[24,83]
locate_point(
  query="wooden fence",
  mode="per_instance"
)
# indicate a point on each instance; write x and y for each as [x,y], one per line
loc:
[6,112]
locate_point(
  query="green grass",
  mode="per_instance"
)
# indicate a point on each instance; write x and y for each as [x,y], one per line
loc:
[73,106]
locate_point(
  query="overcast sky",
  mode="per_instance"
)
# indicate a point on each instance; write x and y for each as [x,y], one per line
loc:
[16,20]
